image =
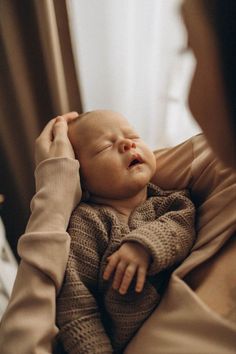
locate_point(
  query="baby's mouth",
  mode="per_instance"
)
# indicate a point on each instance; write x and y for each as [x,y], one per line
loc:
[136,160]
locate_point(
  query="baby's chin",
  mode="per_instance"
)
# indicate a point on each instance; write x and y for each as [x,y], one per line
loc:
[134,189]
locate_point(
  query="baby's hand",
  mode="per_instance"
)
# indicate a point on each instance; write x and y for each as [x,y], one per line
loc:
[131,259]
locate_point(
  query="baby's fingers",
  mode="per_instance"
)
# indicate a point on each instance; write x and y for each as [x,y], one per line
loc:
[110,267]
[127,278]
[141,277]
[120,270]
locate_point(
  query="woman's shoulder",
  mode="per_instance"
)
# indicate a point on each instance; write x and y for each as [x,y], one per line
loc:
[192,165]
[174,166]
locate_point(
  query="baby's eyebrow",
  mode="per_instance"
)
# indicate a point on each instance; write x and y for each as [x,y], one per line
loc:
[130,132]
[106,136]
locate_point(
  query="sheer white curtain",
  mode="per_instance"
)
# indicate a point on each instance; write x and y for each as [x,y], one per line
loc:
[127,61]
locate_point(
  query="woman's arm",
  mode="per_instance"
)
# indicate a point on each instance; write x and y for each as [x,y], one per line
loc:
[28,325]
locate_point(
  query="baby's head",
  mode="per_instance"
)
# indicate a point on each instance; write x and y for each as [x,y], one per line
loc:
[115,163]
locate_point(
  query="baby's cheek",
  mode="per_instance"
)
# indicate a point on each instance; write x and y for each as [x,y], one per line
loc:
[151,157]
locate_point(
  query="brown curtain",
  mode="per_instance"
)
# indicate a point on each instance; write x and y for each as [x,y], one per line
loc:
[38,81]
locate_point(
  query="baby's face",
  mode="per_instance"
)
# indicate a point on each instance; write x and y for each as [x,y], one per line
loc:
[114,161]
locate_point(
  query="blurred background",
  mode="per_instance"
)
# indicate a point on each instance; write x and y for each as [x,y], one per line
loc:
[58,55]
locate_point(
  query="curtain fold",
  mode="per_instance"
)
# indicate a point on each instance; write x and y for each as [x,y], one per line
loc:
[38,81]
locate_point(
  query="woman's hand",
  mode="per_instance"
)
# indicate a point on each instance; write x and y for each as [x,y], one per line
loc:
[131,259]
[54,141]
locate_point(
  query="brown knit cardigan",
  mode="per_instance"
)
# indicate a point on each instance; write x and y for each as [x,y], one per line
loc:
[94,318]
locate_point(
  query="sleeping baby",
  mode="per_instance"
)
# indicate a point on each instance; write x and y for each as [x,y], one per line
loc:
[126,237]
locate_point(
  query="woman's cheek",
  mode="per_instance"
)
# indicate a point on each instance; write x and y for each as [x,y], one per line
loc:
[194,97]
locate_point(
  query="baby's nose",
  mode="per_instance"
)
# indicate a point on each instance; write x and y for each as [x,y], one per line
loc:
[126,145]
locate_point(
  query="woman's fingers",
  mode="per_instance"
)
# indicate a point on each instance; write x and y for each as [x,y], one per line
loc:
[127,278]
[43,142]
[46,133]
[54,141]
[60,128]
[70,116]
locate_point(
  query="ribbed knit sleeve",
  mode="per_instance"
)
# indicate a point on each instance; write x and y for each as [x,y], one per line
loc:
[57,193]
[28,325]
[78,314]
[170,237]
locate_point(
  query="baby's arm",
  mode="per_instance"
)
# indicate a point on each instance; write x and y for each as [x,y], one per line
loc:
[170,237]
[162,242]
[78,314]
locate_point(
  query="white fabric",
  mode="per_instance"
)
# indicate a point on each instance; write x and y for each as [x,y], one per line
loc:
[128,61]
[8,267]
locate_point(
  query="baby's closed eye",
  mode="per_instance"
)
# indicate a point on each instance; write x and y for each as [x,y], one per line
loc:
[105,147]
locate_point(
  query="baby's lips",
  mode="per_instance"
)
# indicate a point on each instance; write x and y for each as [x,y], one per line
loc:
[135,159]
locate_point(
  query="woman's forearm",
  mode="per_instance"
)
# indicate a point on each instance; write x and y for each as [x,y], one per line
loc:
[29,321]
[28,325]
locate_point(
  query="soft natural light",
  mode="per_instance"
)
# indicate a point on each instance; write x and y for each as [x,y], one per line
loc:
[127,60]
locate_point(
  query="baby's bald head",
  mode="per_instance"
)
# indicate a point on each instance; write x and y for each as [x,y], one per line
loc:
[83,130]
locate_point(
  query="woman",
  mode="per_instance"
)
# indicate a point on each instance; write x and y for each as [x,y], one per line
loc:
[187,296]
[211,36]
[198,313]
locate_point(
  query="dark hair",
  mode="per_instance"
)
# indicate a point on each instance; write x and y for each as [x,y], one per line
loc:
[222,16]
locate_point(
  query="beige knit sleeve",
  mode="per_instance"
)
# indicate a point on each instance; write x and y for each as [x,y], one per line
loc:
[28,325]
[78,314]
[170,237]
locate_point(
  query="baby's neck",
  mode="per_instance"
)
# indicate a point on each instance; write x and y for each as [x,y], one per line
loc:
[123,206]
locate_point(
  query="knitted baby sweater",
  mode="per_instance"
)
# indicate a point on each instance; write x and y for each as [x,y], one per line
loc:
[94,318]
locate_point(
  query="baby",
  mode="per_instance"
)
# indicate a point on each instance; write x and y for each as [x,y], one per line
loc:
[125,239]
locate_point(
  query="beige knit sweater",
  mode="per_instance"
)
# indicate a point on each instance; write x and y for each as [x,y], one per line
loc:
[94,318]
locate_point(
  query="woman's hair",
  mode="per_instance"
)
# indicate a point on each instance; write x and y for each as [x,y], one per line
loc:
[221,15]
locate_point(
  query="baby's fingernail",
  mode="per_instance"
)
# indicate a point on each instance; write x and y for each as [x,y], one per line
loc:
[122,291]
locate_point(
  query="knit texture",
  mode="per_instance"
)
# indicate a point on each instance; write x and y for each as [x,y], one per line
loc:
[94,318]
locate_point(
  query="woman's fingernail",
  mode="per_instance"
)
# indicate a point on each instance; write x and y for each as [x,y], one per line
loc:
[60,119]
